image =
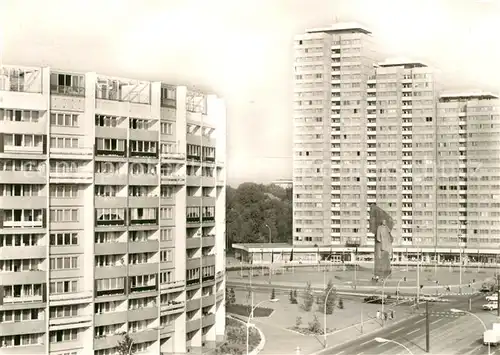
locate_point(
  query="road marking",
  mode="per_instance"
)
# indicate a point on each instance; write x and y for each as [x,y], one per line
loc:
[438,320]
[475,349]
[366,342]
[397,330]
[414,331]
[418,321]
[360,353]
[341,352]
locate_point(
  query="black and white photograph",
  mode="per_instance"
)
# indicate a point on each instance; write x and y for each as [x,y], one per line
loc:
[249,177]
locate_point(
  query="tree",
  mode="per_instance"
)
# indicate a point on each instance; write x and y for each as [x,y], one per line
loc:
[251,206]
[341,303]
[308,298]
[125,345]
[330,302]
[273,294]
[228,297]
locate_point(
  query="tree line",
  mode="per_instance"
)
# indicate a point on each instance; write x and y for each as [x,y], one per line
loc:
[251,207]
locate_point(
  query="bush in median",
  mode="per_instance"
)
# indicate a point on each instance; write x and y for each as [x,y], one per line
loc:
[244,310]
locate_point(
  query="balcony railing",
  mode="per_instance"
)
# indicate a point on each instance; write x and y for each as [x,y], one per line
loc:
[165,102]
[193,219]
[135,222]
[208,219]
[67,90]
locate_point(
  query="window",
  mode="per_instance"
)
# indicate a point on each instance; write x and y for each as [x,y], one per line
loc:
[115,283]
[209,211]
[20,190]
[64,142]
[166,212]
[193,151]
[21,165]
[106,237]
[20,340]
[166,234]
[143,213]
[63,239]
[63,311]
[166,277]
[106,190]
[106,167]
[107,121]
[167,191]
[136,123]
[143,147]
[19,115]
[64,263]
[23,215]
[19,240]
[23,140]
[110,214]
[110,144]
[69,215]
[64,119]
[166,128]
[65,286]
[59,336]
[142,169]
[166,255]
[64,191]
[193,212]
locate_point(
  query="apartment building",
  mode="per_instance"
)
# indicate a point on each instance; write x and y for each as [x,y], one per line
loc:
[332,67]
[468,187]
[368,130]
[112,198]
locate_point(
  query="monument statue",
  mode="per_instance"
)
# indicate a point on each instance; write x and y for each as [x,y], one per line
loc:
[380,225]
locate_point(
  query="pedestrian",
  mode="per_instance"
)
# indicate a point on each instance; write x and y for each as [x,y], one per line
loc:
[378,315]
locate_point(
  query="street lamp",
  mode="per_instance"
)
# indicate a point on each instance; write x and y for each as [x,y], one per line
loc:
[383,289]
[397,288]
[270,239]
[454,310]
[383,340]
[324,314]
[250,316]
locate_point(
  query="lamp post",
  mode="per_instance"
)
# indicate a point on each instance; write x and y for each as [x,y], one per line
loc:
[270,239]
[250,316]
[397,288]
[383,340]
[460,245]
[383,289]
[324,311]
[454,310]
[324,314]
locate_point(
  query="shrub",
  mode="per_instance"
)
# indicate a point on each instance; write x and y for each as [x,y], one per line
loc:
[308,298]
[298,321]
[341,303]
[315,326]
[244,310]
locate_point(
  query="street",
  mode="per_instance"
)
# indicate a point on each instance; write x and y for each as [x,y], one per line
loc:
[451,333]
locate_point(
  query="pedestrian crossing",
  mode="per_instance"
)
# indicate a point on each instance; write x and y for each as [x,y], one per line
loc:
[441,314]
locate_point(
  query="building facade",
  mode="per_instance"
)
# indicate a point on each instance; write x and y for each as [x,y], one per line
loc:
[112,204]
[371,131]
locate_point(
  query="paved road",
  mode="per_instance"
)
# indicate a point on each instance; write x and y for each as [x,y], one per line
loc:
[450,334]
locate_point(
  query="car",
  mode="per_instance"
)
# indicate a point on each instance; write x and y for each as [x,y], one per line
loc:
[429,298]
[490,306]
[493,297]
[485,288]
[376,299]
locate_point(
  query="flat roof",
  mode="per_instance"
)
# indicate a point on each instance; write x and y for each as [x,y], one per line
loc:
[396,62]
[469,95]
[261,245]
[341,27]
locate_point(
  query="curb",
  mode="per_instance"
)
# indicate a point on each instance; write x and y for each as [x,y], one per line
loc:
[262,342]
[329,349]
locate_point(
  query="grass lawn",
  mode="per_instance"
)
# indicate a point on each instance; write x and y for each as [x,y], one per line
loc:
[244,310]
[236,339]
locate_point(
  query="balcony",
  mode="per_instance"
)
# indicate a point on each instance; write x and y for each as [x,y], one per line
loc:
[26,177]
[111,271]
[208,241]
[142,314]
[173,179]
[208,219]
[143,201]
[150,246]
[106,221]
[143,269]
[25,252]
[110,248]
[193,220]
[81,176]
[77,91]
[207,300]
[24,327]
[175,286]
[192,325]
[145,335]
[72,153]
[143,222]
[193,304]
[26,277]
[172,306]
[165,102]
[173,156]
[193,243]
[107,342]
[143,179]
[111,179]
[208,260]
[167,330]
[69,298]
[23,224]
[19,202]
[109,318]
[82,321]
[208,320]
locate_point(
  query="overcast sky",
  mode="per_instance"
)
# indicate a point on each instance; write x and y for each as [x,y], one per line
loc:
[241,49]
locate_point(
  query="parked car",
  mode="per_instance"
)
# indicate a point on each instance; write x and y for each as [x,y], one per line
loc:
[490,306]
[493,297]
[376,299]
[485,288]
[429,298]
